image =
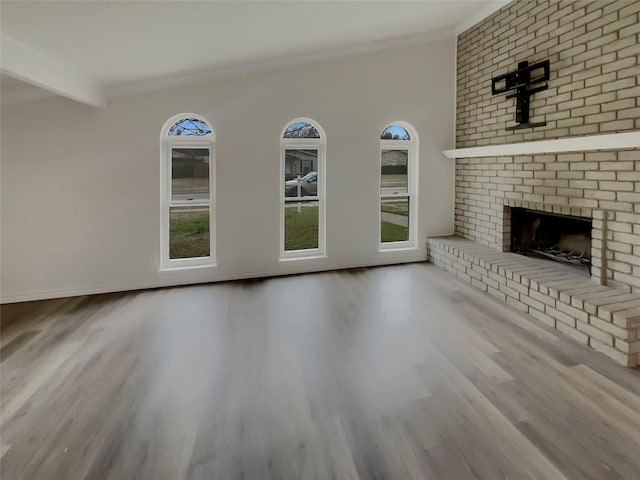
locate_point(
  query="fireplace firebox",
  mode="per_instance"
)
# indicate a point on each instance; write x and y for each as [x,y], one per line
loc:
[562,238]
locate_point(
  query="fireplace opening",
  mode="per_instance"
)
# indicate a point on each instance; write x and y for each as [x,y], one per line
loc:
[561,238]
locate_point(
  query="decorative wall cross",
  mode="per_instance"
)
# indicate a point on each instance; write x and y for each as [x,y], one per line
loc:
[520,81]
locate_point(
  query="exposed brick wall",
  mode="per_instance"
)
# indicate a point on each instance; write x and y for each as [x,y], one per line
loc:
[593,47]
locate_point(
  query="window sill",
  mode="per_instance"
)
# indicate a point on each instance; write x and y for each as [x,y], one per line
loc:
[184,268]
[295,259]
[397,248]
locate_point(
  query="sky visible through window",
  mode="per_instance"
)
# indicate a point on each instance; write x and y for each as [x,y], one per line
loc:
[190,127]
[395,132]
[301,130]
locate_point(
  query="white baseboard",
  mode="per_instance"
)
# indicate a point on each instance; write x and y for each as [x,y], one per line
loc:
[195,280]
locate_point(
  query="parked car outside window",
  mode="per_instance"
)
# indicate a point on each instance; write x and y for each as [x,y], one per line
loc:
[308,186]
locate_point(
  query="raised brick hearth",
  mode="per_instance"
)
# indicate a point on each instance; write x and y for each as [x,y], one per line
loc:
[604,318]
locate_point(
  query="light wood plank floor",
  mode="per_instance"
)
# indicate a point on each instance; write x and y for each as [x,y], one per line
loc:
[395,372]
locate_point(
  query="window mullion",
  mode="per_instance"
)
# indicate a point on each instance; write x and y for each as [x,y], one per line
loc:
[191,204]
[301,199]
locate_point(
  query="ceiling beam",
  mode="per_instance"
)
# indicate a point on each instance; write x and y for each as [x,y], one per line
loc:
[30,66]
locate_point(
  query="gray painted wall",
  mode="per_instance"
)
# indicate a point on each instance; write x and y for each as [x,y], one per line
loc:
[80,193]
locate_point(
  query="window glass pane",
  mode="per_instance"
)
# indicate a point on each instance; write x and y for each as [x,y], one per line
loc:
[300,225]
[394,178]
[190,127]
[189,232]
[394,217]
[301,174]
[301,130]
[189,174]
[395,132]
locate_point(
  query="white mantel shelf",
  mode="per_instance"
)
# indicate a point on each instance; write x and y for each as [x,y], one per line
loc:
[611,141]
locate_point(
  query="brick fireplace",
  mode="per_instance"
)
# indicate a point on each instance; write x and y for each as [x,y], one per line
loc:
[593,48]
[604,186]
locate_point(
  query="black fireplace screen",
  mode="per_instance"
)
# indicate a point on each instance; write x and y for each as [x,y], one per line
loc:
[562,238]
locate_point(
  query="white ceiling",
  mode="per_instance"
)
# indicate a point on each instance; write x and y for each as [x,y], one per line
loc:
[115,45]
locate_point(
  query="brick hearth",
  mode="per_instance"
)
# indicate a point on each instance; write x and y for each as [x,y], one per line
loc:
[604,318]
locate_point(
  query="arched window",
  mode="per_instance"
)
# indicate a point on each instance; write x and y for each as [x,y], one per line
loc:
[302,166]
[187,192]
[398,186]
[186,127]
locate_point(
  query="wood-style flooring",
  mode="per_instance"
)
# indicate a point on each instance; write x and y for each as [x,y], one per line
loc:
[396,372]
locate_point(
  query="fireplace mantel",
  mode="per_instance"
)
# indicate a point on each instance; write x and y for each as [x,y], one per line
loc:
[613,141]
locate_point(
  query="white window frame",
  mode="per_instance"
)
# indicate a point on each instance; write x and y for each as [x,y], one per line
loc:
[318,144]
[411,146]
[167,144]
